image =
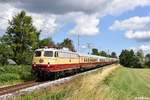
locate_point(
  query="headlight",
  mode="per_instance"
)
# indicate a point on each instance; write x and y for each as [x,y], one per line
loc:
[48,64]
[34,64]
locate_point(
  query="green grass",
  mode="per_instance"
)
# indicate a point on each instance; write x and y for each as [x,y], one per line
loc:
[129,83]
[120,84]
[11,74]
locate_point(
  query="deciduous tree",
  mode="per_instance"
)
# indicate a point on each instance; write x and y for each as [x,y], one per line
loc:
[67,43]
[23,37]
[47,42]
[113,55]
[95,51]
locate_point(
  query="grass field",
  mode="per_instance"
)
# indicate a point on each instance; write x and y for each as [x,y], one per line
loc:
[12,74]
[114,84]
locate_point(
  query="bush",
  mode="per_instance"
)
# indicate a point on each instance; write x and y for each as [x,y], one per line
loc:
[8,77]
[10,73]
[147,64]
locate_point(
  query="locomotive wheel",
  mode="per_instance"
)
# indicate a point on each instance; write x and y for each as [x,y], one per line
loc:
[57,75]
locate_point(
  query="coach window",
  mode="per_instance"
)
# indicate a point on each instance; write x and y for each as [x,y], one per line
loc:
[48,53]
[56,54]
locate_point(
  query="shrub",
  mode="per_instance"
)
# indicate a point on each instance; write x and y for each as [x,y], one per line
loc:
[7,77]
[15,73]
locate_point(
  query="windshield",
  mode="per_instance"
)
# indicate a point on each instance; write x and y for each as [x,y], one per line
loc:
[48,53]
[37,53]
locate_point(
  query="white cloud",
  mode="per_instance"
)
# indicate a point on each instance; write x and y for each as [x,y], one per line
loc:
[86,25]
[7,11]
[145,48]
[62,6]
[120,6]
[135,27]
[86,6]
[66,11]
[138,35]
[133,23]
[46,24]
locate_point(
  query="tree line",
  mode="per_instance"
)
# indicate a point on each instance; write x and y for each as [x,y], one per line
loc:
[129,58]
[95,51]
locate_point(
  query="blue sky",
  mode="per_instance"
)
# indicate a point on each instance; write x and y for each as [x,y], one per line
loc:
[108,40]
[106,25]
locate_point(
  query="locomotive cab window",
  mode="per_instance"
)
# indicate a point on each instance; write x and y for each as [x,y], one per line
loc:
[37,53]
[56,54]
[48,53]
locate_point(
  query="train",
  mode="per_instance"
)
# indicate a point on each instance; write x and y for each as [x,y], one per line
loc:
[49,62]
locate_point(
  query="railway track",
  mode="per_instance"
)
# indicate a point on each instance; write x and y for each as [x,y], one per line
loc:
[13,88]
[7,92]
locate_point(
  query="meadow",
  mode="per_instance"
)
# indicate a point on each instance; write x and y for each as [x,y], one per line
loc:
[120,83]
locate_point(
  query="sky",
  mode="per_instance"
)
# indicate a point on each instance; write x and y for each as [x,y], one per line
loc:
[110,25]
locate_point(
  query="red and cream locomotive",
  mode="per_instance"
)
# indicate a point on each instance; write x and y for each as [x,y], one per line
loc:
[47,61]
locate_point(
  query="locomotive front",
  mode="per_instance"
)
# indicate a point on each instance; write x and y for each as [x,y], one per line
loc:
[42,60]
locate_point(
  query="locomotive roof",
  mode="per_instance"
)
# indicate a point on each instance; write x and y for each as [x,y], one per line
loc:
[53,49]
[80,54]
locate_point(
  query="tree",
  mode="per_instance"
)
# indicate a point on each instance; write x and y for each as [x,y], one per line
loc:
[147,60]
[95,51]
[66,43]
[140,57]
[103,53]
[23,37]
[113,55]
[127,58]
[47,42]
[130,59]
[5,52]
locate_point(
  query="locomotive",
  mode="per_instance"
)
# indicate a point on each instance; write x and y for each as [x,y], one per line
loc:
[48,62]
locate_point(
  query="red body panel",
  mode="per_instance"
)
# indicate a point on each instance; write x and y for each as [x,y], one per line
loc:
[62,67]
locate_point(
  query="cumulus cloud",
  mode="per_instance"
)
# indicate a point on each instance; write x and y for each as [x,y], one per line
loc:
[62,6]
[133,23]
[138,35]
[86,25]
[142,47]
[7,11]
[47,25]
[134,27]
[86,6]
[67,10]
[120,6]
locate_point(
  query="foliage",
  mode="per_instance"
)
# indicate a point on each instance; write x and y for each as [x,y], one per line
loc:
[130,59]
[5,52]
[103,53]
[140,57]
[147,60]
[22,37]
[126,58]
[113,55]
[95,51]
[66,43]
[12,73]
[47,42]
